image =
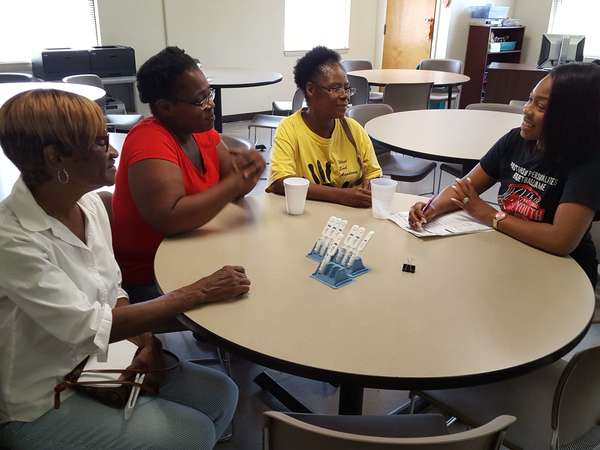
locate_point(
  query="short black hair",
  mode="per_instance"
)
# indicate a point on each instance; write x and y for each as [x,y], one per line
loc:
[156,77]
[571,129]
[311,64]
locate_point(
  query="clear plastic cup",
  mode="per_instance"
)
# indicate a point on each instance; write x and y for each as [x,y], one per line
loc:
[382,194]
[296,189]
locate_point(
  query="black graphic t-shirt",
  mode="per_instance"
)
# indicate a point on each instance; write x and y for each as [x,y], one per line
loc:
[532,187]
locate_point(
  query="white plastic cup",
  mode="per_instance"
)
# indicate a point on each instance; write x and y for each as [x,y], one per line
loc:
[296,189]
[382,194]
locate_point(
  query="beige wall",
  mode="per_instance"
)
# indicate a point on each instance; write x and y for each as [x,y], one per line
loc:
[456,20]
[226,33]
[535,16]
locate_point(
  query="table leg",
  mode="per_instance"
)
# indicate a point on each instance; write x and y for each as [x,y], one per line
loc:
[351,399]
[266,381]
[449,104]
[218,110]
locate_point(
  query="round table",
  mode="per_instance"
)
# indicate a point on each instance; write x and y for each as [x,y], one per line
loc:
[8,90]
[479,307]
[383,77]
[451,135]
[235,78]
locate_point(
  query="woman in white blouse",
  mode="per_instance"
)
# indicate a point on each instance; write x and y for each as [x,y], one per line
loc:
[61,299]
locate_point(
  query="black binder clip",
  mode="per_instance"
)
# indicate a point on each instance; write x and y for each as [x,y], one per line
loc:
[408,266]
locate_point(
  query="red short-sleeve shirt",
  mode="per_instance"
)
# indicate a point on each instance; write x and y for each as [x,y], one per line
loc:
[135,241]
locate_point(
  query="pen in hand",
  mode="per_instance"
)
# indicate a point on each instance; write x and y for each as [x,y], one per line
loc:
[427,206]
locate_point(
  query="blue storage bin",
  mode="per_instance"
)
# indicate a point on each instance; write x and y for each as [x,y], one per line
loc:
[510,45]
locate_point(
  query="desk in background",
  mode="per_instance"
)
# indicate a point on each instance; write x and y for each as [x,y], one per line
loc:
[507,81]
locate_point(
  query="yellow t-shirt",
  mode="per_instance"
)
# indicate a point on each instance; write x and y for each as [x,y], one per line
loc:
[298,151]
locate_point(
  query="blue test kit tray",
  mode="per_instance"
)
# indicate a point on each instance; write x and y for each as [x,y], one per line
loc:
[335,275]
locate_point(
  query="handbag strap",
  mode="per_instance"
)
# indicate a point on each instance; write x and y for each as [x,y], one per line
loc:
[71,379]
[348,133]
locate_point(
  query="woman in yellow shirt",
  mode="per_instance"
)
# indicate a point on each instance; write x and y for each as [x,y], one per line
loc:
[318,143]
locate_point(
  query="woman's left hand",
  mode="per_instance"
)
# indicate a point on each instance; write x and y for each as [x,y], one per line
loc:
[468,200]
[149,356]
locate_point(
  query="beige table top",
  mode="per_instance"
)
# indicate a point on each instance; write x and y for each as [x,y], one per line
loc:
[8,90]
[452,135]
[382,77]
[477,304]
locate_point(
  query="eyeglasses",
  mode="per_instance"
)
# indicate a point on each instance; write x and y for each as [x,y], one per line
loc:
[339,90]
[203,103]
[102,141]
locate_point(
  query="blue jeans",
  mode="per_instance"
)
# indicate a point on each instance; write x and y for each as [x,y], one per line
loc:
[194,407]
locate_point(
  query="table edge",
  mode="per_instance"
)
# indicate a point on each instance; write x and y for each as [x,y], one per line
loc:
[383,382]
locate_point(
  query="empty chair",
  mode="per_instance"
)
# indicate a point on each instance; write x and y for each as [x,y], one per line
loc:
[443,65]
[113,121]
[14,77]
[407,97]
[358,64]
[236,143]
[289,431]
[396,166]
[286,107]
[362,90]
[363,113]
[500,107]
[272,121]
[557,406]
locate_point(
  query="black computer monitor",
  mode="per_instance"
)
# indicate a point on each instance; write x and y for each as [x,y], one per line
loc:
[559,49]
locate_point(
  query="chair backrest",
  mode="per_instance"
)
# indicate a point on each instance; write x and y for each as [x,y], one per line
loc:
[443,65]
[363,113]
[362,90]
[500,107]
[283,432]
[236,143]
[13,77]
[519,103]
[407,97]
[595,232]
[356,64]
[576,405]
[297,100]
[87,78]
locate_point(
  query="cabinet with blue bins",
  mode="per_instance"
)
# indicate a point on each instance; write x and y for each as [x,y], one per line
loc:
[335,275]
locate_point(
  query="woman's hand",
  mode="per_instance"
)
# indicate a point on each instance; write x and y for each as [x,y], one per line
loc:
[225,284]
[148,357]
[417,218]
[357,197]
[468,199]
[247,168]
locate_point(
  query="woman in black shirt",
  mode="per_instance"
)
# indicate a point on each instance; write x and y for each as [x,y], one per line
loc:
[548,170]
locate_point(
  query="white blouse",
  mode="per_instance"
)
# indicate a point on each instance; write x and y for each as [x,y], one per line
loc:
[56,299]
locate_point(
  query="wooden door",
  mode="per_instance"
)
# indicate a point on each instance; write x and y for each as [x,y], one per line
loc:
[409,28]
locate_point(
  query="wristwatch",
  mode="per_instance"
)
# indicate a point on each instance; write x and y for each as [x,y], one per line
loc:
[500,215]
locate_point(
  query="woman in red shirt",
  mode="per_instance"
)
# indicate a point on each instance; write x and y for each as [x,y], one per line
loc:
[174,174]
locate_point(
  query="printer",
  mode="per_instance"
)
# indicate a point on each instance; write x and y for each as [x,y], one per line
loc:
[105,61]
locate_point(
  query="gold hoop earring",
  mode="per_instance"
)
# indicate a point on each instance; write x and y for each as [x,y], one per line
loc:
[62,176]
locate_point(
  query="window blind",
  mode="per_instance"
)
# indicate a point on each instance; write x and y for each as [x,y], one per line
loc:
[578,17]
[309,23]
[28,26]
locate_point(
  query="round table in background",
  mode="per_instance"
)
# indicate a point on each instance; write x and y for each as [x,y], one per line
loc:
[479,308]
[235,78]
[8,90]
[383,77]
[450,135]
